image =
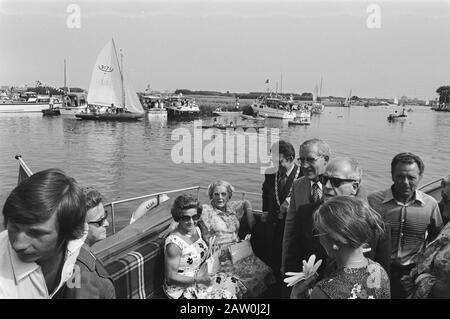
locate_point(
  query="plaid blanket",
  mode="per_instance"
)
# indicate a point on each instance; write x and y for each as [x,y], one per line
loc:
[140,273]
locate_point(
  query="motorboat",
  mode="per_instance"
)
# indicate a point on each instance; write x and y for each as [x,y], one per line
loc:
[274,107]
[73,103]
[179,107]
[30,102]
[301,121]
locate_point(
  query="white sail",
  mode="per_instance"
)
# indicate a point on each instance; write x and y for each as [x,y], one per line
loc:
[106,82]
[396,101]
[315,93]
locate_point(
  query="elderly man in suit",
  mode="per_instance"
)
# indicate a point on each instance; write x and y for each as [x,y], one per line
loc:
[314,156]
[342,176]
[268,235]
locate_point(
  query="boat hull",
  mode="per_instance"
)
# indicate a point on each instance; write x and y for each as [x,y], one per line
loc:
[50,112]
[110,117]
[182,114]
[273,113]
[25,107]
[71,111]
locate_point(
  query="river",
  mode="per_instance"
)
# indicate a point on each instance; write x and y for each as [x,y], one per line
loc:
[129,159]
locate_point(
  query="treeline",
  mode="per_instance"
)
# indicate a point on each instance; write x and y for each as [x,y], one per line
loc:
[43,90]
[250,95]
[444,94]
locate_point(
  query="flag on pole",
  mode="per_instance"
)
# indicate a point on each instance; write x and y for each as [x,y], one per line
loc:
[24,171]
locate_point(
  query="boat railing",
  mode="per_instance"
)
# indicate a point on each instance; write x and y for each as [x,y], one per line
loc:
[112,205]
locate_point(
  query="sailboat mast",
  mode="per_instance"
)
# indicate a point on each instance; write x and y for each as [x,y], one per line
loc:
[121,76]
[320,92]
[281,85]
[65,80]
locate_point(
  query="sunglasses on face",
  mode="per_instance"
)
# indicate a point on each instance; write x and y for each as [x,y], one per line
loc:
[187,218]
[99,222]
[335,181]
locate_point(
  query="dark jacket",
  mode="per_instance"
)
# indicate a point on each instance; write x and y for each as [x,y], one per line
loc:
[89,280]
[303,244]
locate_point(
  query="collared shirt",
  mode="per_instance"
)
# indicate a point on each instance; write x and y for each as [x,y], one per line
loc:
[20,280]
[410,222]
[290,170]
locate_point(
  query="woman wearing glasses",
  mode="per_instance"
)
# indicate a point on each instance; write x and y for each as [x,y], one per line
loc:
[185,252]
[344,225]
[96,216]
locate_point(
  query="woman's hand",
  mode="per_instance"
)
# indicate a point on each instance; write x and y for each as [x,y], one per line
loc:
[407,283]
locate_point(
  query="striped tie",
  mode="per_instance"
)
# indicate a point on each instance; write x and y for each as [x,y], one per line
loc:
[316,193]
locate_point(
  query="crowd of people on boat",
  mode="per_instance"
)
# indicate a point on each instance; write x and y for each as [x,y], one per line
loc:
[392,243]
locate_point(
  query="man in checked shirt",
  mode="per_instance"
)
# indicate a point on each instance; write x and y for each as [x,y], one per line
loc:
[413,215]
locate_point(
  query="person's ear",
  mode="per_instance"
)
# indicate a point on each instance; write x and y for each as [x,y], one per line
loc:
[355,188]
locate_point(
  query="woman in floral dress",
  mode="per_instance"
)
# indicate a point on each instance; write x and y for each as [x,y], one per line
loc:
[344,224]
[185,252]
[223,218]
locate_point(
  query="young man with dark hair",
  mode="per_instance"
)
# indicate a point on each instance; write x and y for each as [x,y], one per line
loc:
[414,216]
[41,251]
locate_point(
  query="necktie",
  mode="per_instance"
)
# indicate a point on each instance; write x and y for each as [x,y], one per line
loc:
[282,178]
[316,193]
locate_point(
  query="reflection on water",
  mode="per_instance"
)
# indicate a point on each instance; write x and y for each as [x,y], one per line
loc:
[129,159]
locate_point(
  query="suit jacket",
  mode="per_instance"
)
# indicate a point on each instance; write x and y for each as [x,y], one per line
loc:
[300,195]
[268,191]
[303,243]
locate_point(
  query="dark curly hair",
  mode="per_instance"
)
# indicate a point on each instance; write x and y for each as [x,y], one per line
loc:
[183,203]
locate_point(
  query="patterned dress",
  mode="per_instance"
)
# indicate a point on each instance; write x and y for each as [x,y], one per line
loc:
[433,265]
[193,255]
[251,271]
[369,282]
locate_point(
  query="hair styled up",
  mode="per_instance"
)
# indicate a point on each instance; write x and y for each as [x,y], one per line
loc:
[93,197]
[349,221]
[183,203]
[43,194]
[212,186]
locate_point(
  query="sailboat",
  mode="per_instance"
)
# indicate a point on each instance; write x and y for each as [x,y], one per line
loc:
[348,99]
[317,107]
[110,96]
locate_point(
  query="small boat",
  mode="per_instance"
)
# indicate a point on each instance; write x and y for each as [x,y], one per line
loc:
[251,117]
[30,102]
[394,117]
[233,126]
[73,103]
[179,107]
[111,96]
[51,112]
[221,113]
[153,104]
[301,121]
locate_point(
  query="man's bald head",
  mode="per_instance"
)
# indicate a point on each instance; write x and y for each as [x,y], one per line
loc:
[344,167]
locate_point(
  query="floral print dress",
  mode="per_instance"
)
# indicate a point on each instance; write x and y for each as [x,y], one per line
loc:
[369,282]
[252,271]
[193,255]
[433,265]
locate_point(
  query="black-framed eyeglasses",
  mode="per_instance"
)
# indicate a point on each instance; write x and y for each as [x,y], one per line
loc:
[186,218]
[335,181]
[310,160]
[99,222]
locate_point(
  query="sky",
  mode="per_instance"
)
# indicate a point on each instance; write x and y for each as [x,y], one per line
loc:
[375,48]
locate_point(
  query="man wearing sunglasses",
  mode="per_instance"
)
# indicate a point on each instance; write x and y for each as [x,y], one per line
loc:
[342,176]
[96,217]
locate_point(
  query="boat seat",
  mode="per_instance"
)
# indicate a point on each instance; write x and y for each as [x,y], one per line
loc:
[139,274]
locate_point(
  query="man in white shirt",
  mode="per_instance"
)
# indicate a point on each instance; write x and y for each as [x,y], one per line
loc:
[45,221]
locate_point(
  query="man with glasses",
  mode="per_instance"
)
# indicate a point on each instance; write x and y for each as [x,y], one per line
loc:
[414,216]
[314,156]
[276,193]
[96,216]
[342,176]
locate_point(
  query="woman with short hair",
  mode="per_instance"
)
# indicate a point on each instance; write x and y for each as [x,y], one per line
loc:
[344,225]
